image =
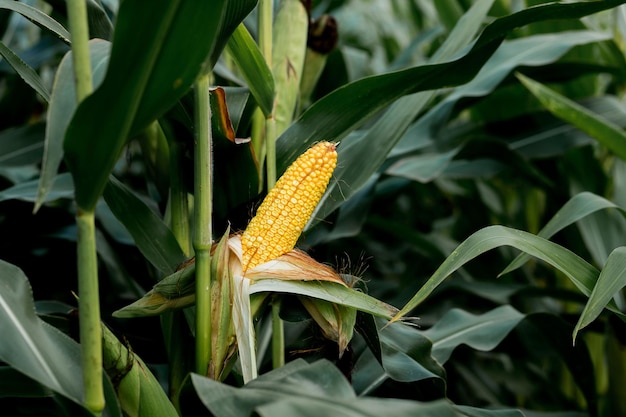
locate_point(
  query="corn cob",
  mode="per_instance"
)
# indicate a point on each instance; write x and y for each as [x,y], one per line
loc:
[285,211]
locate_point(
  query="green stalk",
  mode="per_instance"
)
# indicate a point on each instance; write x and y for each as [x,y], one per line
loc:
[89,312]
[173,323]
[265,29]
[77,17]
[270,151]
[278,335]
[87,260]
[202,223]
[265,45]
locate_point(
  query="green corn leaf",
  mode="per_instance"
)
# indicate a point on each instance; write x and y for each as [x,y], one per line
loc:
[140,85]
[329,291]
[604,131]
[30,345]
[253,67]
[611,280]
[578,207]
[61,108]
[37,17]
[290,31]
[152,236]
[482,332]
[338,113]
[27,191]
[25,71]
[397,351]
[301,389]
[581,273]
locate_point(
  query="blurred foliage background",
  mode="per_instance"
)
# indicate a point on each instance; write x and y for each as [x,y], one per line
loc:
[416,178]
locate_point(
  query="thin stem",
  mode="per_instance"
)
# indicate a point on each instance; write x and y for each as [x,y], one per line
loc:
[265,30]
[270,149]
[202,223]
[77,17]
[89,312]
[87,259]
[278,335]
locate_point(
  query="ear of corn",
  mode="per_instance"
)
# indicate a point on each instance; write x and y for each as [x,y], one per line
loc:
[280,219]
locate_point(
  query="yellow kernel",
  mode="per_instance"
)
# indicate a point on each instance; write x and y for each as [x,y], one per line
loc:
[288,206]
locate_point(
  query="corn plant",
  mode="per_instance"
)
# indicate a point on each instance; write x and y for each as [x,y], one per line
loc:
[294,208]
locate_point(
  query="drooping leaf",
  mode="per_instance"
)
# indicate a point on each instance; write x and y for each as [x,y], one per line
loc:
[37,17]
[611,280]
[604,131]
[27,191]
[397,351]
[61,109]
[152,236]
[329,291]
[338,113]
[302,389]
[481,332]
[578,207]
[393,124]
[531,51]
[32,346]
[140,85]
[25,71]
[581,273]
[403,138]
[253,68]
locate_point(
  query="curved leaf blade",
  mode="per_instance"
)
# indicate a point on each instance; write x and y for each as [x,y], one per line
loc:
[32,346]
[151,235]
[61,108]
[335,115]
[581,273]
[329,291]
[578,207]
[604,131]
[303,389]
[611,280]
[253,67]
[24,71]
[63,187]
[37,17]
[141,83]
[482,332]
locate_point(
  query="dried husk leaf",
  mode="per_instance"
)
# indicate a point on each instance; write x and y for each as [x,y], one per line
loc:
[223,339]
[297,266]
[178,289]
[335,320]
